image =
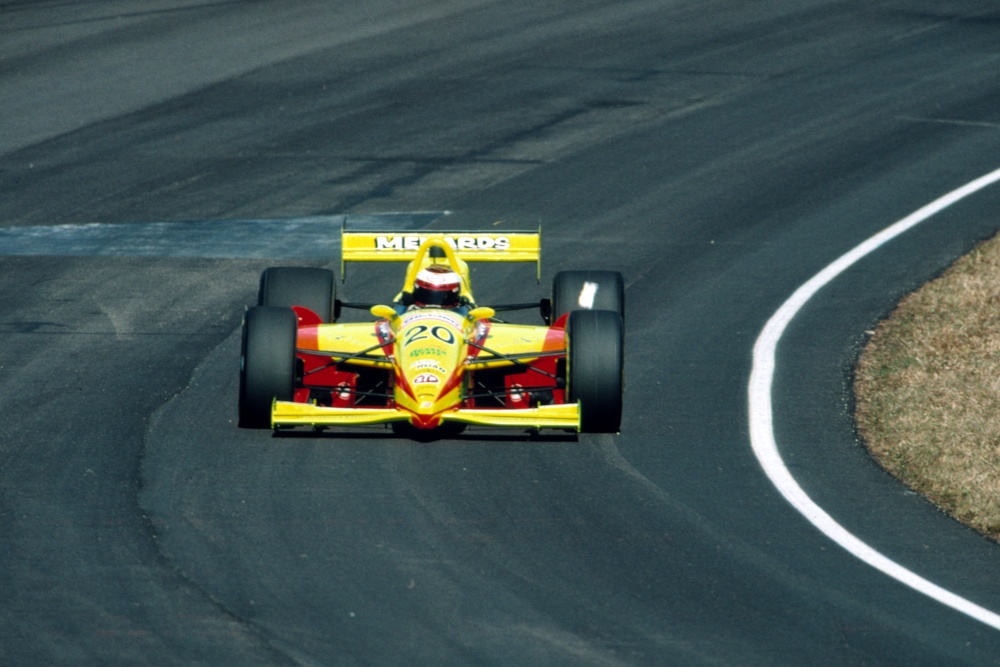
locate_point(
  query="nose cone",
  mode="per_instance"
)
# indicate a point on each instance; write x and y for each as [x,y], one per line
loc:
[430,350]
[432,398]
[428,389]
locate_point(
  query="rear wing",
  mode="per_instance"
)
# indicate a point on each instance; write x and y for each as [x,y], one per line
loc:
[382,246]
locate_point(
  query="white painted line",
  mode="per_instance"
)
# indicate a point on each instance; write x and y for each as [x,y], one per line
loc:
[762,418]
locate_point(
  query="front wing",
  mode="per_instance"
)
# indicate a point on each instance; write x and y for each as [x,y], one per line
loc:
[288,414]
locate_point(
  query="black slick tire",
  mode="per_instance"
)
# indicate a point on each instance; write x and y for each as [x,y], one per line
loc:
[287,286]
[267,363]
[595,356]
[587,290]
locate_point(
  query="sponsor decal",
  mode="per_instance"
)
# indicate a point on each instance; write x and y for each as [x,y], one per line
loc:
[470,242]
[427,352]
[426,378]
[424,315]
[428,364]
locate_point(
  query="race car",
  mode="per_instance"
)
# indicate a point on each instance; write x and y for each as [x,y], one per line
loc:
[433,360]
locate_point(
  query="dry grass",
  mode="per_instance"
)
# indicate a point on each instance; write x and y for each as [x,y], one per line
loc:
[928,390]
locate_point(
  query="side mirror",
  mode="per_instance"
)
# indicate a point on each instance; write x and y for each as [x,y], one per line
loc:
[482,313]
[383,312]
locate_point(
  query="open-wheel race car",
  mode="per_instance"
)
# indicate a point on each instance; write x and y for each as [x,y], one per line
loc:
[433,360]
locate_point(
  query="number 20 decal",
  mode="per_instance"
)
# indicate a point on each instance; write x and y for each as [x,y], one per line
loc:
[419,332]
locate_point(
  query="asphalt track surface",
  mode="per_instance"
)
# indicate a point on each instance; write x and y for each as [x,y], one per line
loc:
[719,154]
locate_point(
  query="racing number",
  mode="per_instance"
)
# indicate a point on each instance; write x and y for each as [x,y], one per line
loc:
[419,332]
[443,334]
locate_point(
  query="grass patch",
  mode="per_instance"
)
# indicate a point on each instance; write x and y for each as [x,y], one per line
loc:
[927,388]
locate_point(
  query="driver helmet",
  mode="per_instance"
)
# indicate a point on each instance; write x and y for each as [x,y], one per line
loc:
[437,287]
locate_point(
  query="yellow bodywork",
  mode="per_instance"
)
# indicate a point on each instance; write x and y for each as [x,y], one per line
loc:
[429,357]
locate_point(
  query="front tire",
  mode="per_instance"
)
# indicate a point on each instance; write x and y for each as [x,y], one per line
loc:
[267,363]
[587,290]
[595,359]
[312,288]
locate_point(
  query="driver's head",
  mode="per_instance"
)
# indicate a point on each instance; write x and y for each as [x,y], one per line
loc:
[437,287]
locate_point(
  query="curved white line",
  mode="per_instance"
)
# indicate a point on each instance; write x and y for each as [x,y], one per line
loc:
[762,418]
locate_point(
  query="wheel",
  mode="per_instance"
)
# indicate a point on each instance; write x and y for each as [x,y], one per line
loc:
[595,358]
[287,286]
[587,290]
[267,363]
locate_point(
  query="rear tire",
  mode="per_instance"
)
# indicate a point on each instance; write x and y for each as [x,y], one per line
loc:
[595,358]
[267,363]
[287,286]
[587,290]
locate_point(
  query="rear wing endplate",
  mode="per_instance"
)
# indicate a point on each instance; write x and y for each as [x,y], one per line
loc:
[383,246]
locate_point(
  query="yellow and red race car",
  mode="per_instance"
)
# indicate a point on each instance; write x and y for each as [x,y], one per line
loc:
[433,360]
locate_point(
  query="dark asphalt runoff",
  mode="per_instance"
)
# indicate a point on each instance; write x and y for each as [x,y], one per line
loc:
[718,153]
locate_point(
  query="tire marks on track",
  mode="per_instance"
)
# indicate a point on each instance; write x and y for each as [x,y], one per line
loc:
[314,237]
